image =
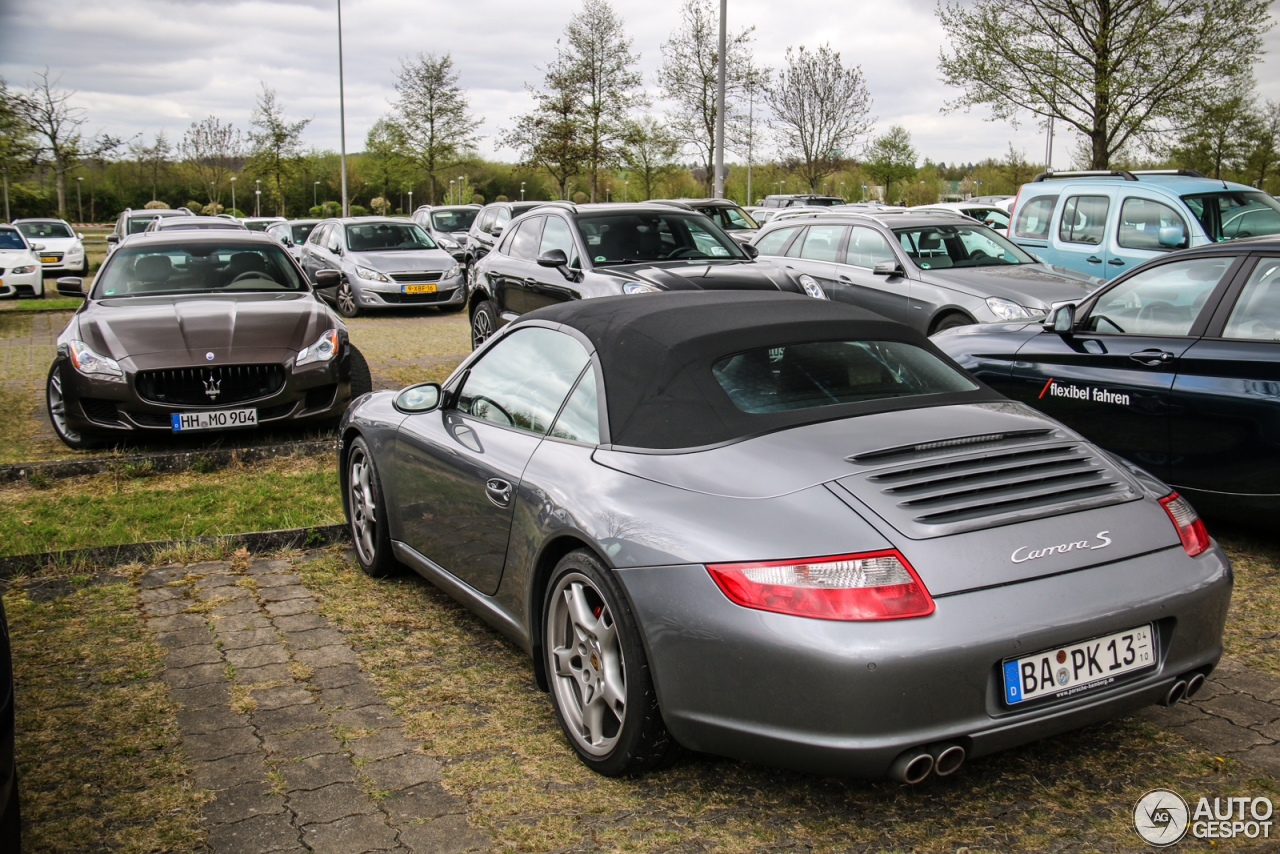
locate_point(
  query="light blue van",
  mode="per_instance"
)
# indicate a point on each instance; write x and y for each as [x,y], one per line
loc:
[1104,223]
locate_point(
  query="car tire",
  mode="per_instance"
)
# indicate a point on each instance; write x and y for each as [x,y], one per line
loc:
[601,685]
[950,321]
[346,301]
[55,405]
[484,322]
[367,514]
[361,380]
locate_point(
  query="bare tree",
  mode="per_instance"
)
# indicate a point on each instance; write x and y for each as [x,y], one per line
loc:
[431,116]
[688,77]
[56,125]
[275,143]
[1115,70]
[649,155]
[211,151]
[551,137]
[597,56]
[821,112]
[152,159]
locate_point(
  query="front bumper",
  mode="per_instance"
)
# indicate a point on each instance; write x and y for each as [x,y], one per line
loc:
[72,261]
[22,285]
[382,295]
[846,698]
[98,407]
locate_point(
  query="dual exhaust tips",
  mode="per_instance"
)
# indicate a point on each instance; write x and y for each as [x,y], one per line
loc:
[944,758]
[1184,688]
[915,764]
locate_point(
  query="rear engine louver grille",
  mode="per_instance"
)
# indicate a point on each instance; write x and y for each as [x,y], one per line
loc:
[993,488]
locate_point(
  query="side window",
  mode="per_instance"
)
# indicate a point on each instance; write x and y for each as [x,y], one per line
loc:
[1147,224]
[556,235]
[333,237]
[317,235]
[1033,217]
[793,251]
[1257,313]
[1164,300]
[868,248]
[525,244]
[500,218]
[522,381]
[482,224]
[580,420]
[822,242]
[1084,219]
[772,243]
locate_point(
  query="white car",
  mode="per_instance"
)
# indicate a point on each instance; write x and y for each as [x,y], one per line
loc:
[61,248]
[991,214]
[260,223]
[20,272]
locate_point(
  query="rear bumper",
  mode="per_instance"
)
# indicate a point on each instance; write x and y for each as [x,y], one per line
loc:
[846,698]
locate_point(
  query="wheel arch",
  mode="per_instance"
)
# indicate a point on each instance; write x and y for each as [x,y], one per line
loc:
[552,553]
[949,311]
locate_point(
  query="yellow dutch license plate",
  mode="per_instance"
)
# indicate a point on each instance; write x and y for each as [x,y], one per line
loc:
[419,289]
[47,259]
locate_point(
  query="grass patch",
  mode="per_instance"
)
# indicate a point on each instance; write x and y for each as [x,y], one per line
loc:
[96,731]
[128,506]
[1253,627]
[15,424]
[50,301]
[470,696]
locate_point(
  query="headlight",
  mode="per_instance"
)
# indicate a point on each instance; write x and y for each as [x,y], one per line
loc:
[90,363]
[367,273]
[324,349]
[811,287]
[22,271]
[638,288]
[1004,309]
[455,270]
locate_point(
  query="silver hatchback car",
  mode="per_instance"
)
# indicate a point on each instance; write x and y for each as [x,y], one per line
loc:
[929,271]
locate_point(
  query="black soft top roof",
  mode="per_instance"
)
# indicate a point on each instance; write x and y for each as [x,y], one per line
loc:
[656,353]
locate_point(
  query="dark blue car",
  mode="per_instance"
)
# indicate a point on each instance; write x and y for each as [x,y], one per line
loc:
[1174,366]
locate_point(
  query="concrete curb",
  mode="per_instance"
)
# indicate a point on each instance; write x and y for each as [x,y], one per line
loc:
[164,462]
[255,542]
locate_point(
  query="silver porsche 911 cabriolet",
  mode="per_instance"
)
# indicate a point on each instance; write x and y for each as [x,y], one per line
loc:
[783,530]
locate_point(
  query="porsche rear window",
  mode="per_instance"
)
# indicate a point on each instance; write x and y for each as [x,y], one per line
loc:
[825,373]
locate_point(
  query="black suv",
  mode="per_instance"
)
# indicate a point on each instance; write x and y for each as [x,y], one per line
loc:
[792,200]
[562,251]
[487,228]
[727,214]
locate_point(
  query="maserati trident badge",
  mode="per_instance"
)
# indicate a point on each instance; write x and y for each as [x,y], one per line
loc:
[212,388]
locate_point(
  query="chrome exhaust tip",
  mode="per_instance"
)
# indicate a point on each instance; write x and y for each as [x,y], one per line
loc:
[1176,693]
[1194,684]
[911,766]
[947,758]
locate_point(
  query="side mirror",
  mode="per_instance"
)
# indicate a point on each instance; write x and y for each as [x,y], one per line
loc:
[887,268]
[37,247]
[1061,318]
[553,258]
[1170,236]
[496,231]
[751,251]
[80,235]
[422,397]
[71,286]
[335,248]
[113,238]
[328,279]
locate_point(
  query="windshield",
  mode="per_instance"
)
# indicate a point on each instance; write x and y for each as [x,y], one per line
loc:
[935,247]
[453,220]
[259,225]
[44,230]
[824,373]
[10,239]
[628,238]
[204,267]
[1230,214]
[182,224]
[388,237]
[138,224]
[819,201]
[730,219]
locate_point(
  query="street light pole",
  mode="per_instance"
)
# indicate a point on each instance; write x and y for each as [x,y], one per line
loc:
[452,181]
[842,191]
[522,191]
[233,195]
[626,191]
[257,197]
[212,200]
[719,166]
[342,115]
[79,202]
[5,172]
[314,189]
[411,201]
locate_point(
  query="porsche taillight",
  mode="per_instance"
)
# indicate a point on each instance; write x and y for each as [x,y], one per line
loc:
[870,586]
[1191,530]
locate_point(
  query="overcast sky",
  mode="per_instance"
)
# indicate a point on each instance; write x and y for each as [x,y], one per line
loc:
[148,65]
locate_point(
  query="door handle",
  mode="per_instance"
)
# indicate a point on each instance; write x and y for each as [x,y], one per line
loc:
[1115,262]
[531,281]
[1152,357]
[845,278]
[1094,259]
[498,490]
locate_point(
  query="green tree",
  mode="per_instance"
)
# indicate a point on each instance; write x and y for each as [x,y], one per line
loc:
[551,137]
[431,116]
[649,155]
[891,158]
[821,112]
[597,56]
[1220,139]
[275,144]
[1263,159]
[1114,70]
[384,162]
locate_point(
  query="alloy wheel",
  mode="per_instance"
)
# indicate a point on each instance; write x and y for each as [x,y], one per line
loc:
[346,300]
[589,675]
[58,409]
[364,512]
[481,328]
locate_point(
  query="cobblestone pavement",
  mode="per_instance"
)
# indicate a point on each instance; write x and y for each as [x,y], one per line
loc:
[282,726]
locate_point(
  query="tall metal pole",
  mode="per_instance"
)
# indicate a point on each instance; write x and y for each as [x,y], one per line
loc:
[719,167]
[342,117]
[751,128]
[6,194]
